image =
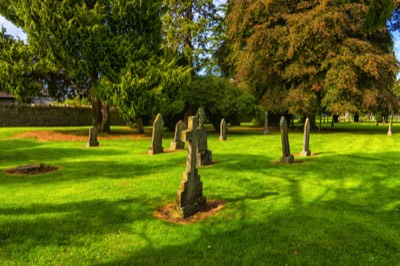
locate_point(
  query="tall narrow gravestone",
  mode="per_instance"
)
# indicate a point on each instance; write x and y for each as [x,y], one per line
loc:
[178,144]
[266,123]
[156,139]
[286,156]
[204,156]
[390,129]
[189,198]
[306,139]
[222,131]
[92,141]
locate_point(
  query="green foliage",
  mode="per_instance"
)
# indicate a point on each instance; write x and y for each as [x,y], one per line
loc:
[220,98]
[19,69]
[78,101]
[379,12]
[187,30]
[310,56]
[150,87]
[91,40]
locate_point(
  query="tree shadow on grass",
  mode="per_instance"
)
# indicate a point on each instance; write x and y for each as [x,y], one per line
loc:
[64,224]
[89,170]
[287,238]
[343,225]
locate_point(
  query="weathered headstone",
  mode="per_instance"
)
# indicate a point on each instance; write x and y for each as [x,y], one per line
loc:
[286,156]
[178,144]
[222,133]
[390,129]
[347,116]
[156,139]
[92,141]
[139,125]
[306,139]
[266,123]
[204,156]
[189,198]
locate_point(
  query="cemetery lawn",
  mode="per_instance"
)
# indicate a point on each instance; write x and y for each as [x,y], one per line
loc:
[338,207]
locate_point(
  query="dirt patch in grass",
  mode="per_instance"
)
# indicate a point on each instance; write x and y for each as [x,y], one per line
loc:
[212,208]
[32,169]
[295,162]
[76,135]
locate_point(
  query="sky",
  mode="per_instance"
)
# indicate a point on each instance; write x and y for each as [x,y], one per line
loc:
[12,30]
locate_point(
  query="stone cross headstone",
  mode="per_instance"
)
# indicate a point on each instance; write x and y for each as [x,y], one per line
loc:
[139,125]
[286,156]
[189,198]
[266,123]
[204,156]
[178,144]
[92,141]
[390,128]
[156,139]
[306,139]
[222,133]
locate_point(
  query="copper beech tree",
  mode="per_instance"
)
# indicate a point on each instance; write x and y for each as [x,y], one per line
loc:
[308,56]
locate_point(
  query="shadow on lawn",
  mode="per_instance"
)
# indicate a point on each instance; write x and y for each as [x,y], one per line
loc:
[64,224]
[347,224]
[84,170]
[24,149]
[310,236]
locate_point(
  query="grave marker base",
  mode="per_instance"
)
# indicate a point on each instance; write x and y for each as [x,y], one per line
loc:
[305,153]
[155,150]
[287,159]
[190,199]
[204,158]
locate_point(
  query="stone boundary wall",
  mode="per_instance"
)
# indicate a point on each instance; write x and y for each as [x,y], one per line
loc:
[50,115]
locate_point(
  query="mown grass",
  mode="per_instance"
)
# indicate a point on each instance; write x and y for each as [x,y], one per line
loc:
[340,207]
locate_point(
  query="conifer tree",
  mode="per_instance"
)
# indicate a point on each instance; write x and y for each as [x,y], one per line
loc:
[93,41]
[20,73]
[187,29]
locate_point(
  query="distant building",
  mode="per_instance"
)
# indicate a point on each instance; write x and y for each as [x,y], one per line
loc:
[7,98]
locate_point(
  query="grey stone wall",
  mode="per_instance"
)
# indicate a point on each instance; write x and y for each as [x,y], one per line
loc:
[42,115]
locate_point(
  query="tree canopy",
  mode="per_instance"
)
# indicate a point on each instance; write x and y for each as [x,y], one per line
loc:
[95,42]
[302,56]
[21,73]
[296,56]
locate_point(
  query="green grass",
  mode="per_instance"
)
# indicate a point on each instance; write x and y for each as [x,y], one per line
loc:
[340,207]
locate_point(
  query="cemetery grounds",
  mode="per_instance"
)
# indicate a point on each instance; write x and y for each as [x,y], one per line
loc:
[340,206]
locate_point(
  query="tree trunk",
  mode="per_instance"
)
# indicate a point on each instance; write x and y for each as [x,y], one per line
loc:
[105,121]
[96,111]
[313,123]
[320,122]
[356,118]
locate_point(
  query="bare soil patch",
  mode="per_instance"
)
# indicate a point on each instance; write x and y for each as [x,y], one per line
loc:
[295,162]
[77,135]
[32,169]
[212,208]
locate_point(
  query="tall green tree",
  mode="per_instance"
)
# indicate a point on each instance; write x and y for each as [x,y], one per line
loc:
[304,55]
[187,29]
[90,40]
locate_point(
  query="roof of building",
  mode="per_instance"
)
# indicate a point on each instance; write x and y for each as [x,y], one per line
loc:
[6,95]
